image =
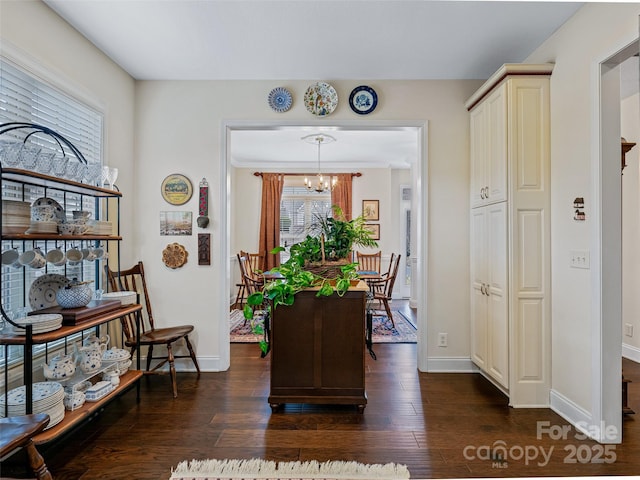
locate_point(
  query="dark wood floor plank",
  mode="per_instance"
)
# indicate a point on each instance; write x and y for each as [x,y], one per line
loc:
[436,424]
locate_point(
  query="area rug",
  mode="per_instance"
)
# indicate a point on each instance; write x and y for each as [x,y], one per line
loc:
[269,470]
[383,331]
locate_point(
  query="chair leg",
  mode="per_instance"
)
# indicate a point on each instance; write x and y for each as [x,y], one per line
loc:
[172,370]
[388,309]
[149,356]
[36,462]
[192,353]
[239,297]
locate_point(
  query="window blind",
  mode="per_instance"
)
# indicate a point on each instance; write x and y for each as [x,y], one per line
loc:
[298,208]
[26,98]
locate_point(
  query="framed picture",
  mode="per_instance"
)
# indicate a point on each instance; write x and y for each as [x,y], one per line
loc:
[370,209]
[176,223]
[374,228]
[176,189]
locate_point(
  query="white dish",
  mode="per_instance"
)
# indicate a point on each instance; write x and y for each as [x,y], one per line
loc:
[58,210]
[126,298]
[42,293]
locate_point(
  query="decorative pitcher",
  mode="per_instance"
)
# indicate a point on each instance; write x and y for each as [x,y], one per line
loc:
[60,366]
[90,357]
[95,341]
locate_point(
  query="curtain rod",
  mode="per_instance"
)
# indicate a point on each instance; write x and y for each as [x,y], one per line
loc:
[259,174]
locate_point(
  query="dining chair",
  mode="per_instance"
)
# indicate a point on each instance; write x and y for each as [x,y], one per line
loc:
[369,262]
[383,289]
[134,280]
[255,264]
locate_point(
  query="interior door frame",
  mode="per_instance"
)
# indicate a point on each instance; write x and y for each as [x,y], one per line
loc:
[606,236]
[419,203]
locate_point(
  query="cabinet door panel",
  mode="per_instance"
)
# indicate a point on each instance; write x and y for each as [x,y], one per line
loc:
[478,282]
[478,132]
[496,163]
[498,320]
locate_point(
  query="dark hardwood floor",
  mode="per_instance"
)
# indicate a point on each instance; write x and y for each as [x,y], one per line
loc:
[436,424]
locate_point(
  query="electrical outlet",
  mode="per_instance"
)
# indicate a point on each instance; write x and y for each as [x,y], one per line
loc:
[628,329]
[442,339]
[580,259]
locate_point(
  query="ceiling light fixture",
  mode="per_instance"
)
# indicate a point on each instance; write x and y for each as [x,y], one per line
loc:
[319,184]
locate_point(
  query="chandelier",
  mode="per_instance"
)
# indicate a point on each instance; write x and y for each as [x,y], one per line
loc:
[319,184]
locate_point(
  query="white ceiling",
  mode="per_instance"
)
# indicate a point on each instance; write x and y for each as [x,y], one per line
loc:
[315,39]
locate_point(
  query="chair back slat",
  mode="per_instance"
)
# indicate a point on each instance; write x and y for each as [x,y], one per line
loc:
[132,280]
[392,277]
[369,261]
[252,281]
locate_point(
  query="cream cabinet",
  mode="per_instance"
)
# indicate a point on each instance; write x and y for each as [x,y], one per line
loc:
[510,232]
[489,326]
[489,150]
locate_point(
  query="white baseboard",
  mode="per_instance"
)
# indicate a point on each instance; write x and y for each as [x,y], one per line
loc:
[451,365]
[570,411]
[631,352]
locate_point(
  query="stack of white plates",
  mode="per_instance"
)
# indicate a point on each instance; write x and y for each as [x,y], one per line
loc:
[100,227]
[47,398]
[42,323]
[125,297]
[16,216]
[42,227]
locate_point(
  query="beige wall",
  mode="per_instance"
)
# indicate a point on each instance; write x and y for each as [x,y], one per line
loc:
[630,129]
[178,128]
[596,32]
[36,38]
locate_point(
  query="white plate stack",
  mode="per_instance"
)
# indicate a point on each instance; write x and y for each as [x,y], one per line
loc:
[42,323]
[47,398]
[36,226]
[100,227]
[16,216]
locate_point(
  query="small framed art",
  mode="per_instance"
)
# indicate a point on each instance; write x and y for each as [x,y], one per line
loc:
[370,209]
[176,223]
[176,189]
[374,228]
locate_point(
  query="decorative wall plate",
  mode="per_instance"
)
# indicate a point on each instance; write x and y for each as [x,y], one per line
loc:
[280,99]
[174,255]
[176,189]
[363,100]
[321,99]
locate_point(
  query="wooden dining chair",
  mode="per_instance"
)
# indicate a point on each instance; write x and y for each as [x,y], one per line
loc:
[256,262]
[251,278]
[134,280]
[369,262]
[383,289]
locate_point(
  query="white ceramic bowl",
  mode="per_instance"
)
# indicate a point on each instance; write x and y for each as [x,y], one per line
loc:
[126,298]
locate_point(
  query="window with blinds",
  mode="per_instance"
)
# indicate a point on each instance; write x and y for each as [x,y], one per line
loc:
[26,98]
[298,208]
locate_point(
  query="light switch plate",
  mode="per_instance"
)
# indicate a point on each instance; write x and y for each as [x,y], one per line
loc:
[580,259]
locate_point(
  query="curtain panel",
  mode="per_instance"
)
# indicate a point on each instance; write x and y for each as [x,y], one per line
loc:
[272,184]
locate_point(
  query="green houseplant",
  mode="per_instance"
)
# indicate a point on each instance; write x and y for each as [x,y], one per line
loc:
[321,260]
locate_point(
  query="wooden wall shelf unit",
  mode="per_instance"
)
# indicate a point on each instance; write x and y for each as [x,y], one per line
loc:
[23,184]
[318,348]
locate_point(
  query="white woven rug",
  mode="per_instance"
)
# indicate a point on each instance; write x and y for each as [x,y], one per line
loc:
[269,470]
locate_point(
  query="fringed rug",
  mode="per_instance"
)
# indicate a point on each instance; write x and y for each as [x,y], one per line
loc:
[269,470]
[383,331]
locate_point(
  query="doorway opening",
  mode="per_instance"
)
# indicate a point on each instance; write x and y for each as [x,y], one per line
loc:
[419,207]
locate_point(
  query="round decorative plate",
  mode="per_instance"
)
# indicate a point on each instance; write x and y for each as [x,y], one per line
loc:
[174,255]
[363,100]
[280,99]
[59,211]
[321,99]
[42,293]
[176,189]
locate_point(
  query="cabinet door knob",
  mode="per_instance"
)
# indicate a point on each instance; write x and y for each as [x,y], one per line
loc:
[486,192]
[482,193]
[486,289]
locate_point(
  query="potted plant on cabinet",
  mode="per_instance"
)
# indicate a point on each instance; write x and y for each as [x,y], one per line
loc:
[321,260]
